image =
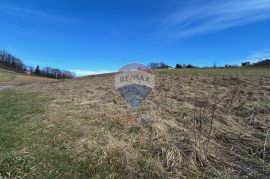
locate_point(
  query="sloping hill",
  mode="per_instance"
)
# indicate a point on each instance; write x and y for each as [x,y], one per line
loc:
[12,78]
[198,123]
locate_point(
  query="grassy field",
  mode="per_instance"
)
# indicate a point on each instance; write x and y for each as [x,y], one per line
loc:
[8,78]
[197,123]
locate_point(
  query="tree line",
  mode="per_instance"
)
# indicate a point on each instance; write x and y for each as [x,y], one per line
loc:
[11,62]
[51,72]
[162,65]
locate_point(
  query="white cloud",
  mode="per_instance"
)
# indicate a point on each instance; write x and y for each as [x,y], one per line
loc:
[259,55]
[89,72]
[207,16]
[27,13]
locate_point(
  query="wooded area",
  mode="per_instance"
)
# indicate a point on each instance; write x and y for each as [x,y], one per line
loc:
[9,61]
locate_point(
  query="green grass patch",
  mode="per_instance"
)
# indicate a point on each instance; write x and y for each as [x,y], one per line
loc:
[31,148]
[134,129]
[20,117]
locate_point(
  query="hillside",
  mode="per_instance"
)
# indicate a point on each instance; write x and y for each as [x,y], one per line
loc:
[12,78]
[197,123]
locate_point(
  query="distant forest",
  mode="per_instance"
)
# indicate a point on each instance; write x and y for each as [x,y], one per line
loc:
[8,61]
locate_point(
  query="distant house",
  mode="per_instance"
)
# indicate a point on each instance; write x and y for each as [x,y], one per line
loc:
[28,72]
[245,64]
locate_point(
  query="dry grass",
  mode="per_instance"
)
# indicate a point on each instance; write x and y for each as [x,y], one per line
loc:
[9,78]
[197,123]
